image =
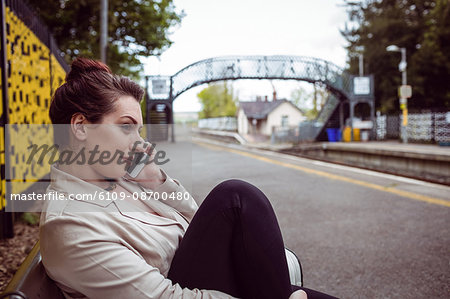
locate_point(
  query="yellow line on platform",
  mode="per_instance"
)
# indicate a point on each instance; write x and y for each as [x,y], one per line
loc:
[406,194]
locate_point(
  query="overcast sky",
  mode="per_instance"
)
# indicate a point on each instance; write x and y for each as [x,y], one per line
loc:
[214,28]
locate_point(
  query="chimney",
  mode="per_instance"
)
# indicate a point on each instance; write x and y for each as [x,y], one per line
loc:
[266,98]
[274,95]
[258,98]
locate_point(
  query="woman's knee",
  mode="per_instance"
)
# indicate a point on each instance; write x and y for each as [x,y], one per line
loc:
[242,193]
[235,185]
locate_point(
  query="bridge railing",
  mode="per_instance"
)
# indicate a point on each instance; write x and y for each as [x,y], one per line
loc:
[261,67]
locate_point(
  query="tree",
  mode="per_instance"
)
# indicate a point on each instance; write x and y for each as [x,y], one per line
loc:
[432,60]
[420,26]
[307,101]
[217,101]
[135,28]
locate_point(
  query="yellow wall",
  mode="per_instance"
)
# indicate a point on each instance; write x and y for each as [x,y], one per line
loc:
[29,94]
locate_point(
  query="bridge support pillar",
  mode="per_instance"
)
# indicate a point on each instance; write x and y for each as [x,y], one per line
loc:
[341,115]
[172,123]
[352,105]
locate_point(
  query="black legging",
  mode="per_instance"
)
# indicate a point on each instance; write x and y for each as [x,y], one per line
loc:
[234,245]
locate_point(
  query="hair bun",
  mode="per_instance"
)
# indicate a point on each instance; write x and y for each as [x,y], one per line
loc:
[82,66]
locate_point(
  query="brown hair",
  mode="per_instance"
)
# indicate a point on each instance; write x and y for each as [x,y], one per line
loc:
[92,90]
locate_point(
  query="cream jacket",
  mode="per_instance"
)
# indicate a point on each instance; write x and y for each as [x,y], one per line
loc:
[104,248]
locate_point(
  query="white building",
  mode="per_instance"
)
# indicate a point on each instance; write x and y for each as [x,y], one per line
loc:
[258,117]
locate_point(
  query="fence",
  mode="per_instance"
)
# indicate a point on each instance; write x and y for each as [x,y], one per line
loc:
[218,123]
[35,69]
[428,127]
[285,134]
[432,127]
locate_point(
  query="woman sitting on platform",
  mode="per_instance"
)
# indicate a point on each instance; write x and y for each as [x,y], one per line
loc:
[137,246]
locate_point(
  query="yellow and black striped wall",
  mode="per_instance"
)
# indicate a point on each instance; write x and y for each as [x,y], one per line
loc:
[35,69]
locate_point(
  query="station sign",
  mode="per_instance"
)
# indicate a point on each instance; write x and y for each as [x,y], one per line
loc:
[404,91]
[361,86]
[159,86]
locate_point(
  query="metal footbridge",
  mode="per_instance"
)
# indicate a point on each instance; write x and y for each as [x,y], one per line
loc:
[165,89]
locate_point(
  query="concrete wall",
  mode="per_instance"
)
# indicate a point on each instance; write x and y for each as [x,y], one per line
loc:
[430,167]
[274,118]
[243,123]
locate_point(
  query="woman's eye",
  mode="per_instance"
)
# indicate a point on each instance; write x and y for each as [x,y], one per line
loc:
[127,127]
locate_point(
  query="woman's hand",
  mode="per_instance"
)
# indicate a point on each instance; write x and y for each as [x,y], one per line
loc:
[300,294]
[151,175]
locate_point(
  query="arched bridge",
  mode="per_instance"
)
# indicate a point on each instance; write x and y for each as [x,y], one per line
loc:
[258,67]
[165,90]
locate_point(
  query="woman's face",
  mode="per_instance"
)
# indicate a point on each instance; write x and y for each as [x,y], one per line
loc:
[117,133]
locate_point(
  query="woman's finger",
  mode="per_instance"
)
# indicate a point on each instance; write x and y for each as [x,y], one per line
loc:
[300,294]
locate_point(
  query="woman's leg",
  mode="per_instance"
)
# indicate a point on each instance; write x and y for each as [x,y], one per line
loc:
[234,245]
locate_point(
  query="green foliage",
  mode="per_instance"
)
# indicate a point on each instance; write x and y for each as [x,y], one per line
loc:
[217,100]
[135,28]
[301,98]
[30,218]
[420,26]
[308,102]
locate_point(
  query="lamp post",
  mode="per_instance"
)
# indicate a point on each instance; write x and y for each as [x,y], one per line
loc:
[103,29]
[403,97]
[360,50]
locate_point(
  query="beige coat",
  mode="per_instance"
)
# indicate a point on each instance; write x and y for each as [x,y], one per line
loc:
[96,248]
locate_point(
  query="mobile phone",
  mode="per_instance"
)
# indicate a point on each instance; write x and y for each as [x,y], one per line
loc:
[137,164]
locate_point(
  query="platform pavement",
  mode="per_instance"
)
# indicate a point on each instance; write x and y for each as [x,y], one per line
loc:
[421,161]
[369,146]
[257,141]
[394,146]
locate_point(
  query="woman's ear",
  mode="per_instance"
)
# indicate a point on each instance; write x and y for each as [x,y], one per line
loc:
[77,126]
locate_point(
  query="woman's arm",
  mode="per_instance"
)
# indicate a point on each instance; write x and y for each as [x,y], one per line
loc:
[175,196]
[153,179]
[151,175]
[84,258]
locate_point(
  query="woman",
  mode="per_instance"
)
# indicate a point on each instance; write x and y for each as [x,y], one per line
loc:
[111,238]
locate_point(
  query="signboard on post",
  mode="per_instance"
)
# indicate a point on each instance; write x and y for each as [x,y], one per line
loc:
[159,86]
[404,91]
[361,86]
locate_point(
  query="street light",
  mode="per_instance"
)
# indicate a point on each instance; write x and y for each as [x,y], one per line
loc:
[403,64]
[403,98]
[103,29]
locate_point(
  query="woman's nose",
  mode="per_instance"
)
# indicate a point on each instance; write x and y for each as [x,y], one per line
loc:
[138,144]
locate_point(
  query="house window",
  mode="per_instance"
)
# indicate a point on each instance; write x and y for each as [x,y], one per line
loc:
[285,120]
